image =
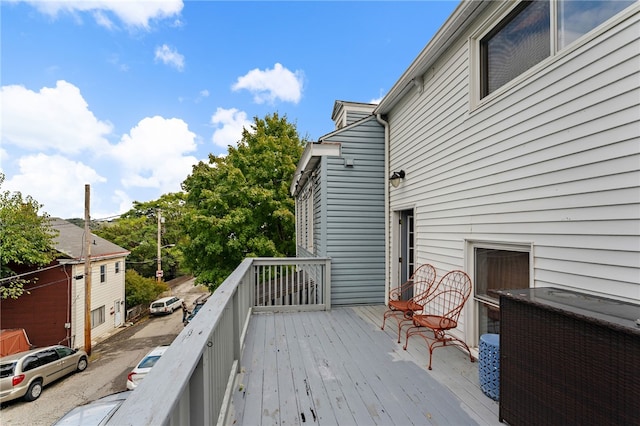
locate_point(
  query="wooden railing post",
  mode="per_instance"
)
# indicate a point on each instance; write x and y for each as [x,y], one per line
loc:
[327,284]
[237,328]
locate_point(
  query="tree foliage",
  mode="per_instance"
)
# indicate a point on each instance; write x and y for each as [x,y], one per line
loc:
[239,205]
[26,238]
[141,290]
[137,231]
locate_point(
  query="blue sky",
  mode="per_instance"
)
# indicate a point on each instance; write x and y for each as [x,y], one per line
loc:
[127,95]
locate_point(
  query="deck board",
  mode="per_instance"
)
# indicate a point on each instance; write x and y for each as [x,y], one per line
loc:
[339,368]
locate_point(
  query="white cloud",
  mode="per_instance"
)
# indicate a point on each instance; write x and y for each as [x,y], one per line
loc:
[122,199]
[229,123]
[170,57]
[53,119]
[54,181]
[131,13]
[114,60]
[4,156]
[103,20]
[153,154]
[378,99]
[271,85]
[203,94]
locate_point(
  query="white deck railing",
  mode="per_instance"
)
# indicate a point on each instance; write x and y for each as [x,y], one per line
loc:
[191,383]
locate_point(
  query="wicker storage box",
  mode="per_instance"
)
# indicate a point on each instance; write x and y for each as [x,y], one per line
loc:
[568,358]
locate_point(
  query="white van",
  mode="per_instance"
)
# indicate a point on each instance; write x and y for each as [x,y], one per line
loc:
[166,305]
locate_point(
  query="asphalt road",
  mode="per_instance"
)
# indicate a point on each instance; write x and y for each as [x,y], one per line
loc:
[110,362]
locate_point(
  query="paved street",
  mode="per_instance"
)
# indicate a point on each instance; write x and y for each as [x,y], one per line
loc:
[109,364]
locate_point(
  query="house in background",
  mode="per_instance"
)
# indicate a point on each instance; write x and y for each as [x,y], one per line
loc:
[518,130]
[339,187]
[54,309]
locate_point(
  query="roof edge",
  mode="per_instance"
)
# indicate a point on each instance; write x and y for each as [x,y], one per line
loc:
[312,150]
[458,22]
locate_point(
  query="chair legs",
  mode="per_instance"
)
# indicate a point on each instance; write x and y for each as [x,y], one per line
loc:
[439,339]
[406,318]
[388,313]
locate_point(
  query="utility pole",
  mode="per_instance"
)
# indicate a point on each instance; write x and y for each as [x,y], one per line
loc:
[87,271]
[159,269]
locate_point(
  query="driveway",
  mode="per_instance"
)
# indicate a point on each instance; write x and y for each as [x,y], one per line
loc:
[110,362]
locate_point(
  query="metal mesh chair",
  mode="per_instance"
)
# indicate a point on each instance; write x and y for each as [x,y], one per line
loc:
[408,298]
[441,312]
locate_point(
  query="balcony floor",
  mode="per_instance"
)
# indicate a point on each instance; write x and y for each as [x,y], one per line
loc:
[339,368]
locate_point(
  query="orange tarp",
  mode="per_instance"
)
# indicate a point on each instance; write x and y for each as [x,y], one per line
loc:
[13,341]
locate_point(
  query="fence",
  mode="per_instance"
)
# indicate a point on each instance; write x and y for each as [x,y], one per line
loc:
[196,373]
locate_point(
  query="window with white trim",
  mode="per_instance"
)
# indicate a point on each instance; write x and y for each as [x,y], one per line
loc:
[305,219]
[535,30]
[98,317]
[497,267]
[103,273]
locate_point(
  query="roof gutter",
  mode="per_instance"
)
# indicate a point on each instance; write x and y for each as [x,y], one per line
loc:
[387,207]
[457,23]
[97,258]
[310,157]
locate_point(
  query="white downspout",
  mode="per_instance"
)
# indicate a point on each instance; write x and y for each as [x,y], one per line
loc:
[387,233]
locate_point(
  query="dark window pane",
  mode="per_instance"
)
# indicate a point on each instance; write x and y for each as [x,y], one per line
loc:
[500,270]
[6,370]
[30,363]
[48,356]
[521,41]
[149,362]
[64,351]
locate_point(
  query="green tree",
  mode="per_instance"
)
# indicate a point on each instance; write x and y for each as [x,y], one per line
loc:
[140,290]
[26,239]
[239,205]
[137,231]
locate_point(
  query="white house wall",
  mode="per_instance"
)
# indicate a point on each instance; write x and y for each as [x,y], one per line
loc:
[105,293]
[552,160]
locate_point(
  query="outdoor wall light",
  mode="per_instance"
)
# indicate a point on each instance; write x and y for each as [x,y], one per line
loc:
[395,178]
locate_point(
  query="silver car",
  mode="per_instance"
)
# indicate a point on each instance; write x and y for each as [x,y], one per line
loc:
[96,413]
[25,374]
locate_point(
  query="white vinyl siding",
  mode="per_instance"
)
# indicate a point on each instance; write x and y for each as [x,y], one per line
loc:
[552,160]
[102,294]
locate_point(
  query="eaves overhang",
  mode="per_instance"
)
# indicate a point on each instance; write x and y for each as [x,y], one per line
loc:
[311,155]
[459,21]
[94,258]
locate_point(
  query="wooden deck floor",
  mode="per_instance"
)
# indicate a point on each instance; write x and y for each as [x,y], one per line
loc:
[339,368]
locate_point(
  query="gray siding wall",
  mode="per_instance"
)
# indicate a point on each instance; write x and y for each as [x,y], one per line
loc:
[319,216]
[353,116]
[553,160]
[354,232]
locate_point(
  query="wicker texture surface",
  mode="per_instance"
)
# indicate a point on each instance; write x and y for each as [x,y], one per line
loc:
[561,365]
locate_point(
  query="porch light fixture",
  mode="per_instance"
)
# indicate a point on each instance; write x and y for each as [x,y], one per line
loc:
[396,177]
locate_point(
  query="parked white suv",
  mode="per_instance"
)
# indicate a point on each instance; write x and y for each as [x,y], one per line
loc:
[166,305]
[25,374]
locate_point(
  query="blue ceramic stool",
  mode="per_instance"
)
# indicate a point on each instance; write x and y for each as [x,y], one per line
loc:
[489,367]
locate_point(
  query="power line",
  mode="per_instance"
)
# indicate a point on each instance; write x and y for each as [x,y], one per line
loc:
[13,277]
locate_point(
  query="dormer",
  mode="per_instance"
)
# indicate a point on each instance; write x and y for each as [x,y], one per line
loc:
[345,113]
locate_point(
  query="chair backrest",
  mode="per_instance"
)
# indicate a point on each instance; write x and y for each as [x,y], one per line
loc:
[420,282]
[450,295]
[423,280]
